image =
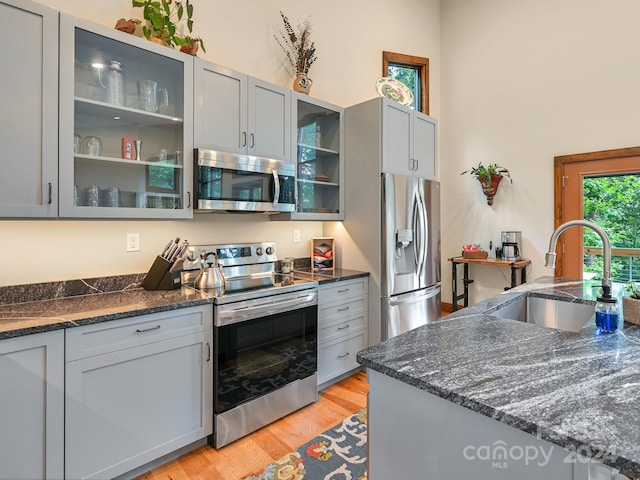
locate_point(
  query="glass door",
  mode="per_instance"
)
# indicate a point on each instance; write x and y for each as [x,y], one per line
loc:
[126,109]
[319,160]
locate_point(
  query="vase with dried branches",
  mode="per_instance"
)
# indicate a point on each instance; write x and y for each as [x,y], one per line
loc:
[300,51]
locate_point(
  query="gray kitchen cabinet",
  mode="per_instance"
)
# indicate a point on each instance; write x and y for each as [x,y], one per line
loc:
[342,327]
[116,90]
[408,137]
[32,406]
[136,389]
[240,114]
[29,99]
[318,143]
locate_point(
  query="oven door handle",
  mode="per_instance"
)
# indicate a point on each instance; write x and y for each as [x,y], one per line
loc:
[241,314]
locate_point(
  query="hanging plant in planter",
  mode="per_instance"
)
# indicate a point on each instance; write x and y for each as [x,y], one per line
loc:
[489,177]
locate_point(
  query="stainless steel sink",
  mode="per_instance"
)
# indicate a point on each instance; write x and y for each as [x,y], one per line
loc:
[545,312]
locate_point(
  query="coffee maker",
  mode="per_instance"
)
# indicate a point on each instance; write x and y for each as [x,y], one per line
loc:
[511,246]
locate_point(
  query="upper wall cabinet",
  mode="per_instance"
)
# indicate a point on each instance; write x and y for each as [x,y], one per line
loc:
[240,114]
[126,125]
[29,99]
[319,145]
[408,141]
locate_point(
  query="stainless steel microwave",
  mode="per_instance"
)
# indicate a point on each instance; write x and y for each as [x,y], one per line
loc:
[229,182]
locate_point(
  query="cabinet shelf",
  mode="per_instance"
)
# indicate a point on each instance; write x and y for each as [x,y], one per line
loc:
[110,111]
[320,183]
[321,150]
[99,160]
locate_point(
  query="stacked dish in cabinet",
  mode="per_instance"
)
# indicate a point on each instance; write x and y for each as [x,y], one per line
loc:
[342,327]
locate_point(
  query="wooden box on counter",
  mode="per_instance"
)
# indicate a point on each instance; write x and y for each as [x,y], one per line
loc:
[477,255]
[323,253]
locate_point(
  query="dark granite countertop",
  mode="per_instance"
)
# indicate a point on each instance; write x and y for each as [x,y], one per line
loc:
[40,316]
[328,276]
[35,308]
[577,390]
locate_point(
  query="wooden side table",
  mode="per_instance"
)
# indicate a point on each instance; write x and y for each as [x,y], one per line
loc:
[496,262]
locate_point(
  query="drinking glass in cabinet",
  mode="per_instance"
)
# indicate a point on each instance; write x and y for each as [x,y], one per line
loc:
[92,145]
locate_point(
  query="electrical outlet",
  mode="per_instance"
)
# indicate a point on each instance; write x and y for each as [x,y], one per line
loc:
[133,242]
[296,236]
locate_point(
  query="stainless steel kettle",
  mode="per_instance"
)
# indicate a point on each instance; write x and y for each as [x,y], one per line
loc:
[210,276]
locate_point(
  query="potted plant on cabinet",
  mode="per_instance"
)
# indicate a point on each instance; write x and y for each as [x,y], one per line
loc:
[489,177]
[163,21]
[631,304]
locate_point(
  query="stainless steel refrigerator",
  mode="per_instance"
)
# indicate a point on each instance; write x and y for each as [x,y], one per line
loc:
[410,256]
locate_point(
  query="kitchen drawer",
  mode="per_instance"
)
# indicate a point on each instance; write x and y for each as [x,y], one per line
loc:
[346,327]
[105,337]
[342,290]
[340,357]
[338,311]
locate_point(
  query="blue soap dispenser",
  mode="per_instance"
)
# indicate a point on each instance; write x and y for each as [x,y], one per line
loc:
[607,312]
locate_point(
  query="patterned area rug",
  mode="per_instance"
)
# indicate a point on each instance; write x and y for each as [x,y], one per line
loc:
[340,453]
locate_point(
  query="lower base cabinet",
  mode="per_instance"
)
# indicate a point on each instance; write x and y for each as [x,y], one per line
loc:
[136,389]
[342,326]
[32,406]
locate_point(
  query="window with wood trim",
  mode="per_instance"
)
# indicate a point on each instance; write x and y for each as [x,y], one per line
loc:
[413,72]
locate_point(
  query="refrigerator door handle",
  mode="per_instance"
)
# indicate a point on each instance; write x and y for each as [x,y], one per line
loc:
[421,234]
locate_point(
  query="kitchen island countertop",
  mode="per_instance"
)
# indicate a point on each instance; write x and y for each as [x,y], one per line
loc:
[577,390]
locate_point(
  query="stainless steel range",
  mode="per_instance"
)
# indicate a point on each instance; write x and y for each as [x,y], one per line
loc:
[265,339]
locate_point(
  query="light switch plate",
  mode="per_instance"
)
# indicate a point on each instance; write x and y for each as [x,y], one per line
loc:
[296,236]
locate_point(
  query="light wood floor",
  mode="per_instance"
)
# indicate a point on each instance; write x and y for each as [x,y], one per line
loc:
[249,454]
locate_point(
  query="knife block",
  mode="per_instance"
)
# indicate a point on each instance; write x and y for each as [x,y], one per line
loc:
[161,277]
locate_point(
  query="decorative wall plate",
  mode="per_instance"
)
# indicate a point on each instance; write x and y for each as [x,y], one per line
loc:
[395,90]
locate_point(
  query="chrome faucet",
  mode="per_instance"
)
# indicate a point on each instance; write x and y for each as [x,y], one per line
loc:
[550,257]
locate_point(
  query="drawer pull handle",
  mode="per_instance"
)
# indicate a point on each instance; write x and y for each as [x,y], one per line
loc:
[342,356]
[343,290]
[343,309]
[344,328]
[147,329]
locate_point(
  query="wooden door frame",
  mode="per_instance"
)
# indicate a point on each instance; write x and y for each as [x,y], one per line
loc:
[559,163]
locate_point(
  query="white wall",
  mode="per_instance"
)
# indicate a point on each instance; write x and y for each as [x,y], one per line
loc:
[350,37]
[523,82]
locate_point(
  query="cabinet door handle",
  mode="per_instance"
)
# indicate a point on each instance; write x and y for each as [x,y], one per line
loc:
[417,165]
[208,352]
[244,139]
[344,328]
[50,193]
[344,355]
[188,199]
[343,290]
[139,330]
[253,140]
[343,309]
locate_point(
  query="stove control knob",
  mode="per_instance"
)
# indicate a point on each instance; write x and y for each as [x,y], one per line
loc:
[259,251]
[269,250]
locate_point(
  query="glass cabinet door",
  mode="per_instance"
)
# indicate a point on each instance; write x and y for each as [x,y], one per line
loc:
[319,160]
[123,102]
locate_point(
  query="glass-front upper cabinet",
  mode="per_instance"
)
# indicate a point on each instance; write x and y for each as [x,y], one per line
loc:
[319,147]
[126,125]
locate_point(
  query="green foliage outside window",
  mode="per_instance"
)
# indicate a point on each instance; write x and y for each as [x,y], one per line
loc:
[410,76]
[613,203]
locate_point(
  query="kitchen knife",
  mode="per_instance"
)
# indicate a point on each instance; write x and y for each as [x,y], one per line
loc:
[173,249]
[166,249]
[179,252]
